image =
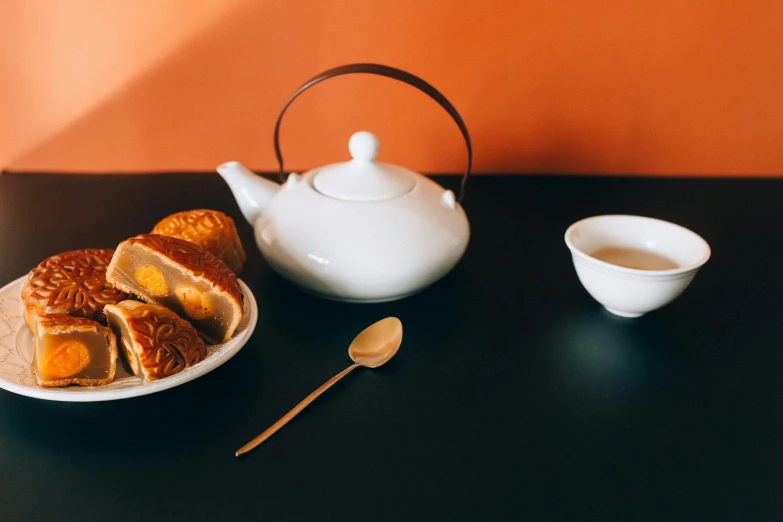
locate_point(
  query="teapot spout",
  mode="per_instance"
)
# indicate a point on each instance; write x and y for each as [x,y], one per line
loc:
[252,192]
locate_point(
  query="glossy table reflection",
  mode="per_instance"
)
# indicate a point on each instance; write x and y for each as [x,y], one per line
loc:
[514,396]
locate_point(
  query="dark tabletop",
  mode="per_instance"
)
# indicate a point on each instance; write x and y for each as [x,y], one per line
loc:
[514,396]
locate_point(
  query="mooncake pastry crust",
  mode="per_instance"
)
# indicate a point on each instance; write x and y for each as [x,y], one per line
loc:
[212,230]
[160,342]
[72,283]
[191,259]
[63,324]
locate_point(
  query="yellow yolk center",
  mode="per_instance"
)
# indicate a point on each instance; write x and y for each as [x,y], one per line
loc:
[70,358]
[195,304]
[151,279]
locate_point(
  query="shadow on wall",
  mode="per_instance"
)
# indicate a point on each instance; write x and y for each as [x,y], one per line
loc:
[177,113]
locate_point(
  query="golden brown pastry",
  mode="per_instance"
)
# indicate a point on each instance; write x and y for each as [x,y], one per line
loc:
[182,277]
[72,350]
[156,341]
[212,230]
[72,283]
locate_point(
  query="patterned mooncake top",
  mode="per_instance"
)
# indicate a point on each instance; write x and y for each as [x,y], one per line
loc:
[73,283]
[208,228]
[164,343]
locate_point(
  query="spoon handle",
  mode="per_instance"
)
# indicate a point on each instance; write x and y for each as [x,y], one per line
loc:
[294,412]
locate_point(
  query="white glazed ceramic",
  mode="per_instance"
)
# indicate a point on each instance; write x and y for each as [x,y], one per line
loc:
[360,231]
[629,292]
[16,356]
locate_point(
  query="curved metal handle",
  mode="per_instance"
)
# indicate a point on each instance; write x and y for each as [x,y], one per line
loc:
[389,72]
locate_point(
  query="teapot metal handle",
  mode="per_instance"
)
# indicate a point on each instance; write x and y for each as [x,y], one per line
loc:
[389,72]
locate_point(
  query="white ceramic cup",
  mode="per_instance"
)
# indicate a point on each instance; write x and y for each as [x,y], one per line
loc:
[630,292]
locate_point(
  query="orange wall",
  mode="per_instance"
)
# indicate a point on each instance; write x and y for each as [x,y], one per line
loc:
[610,86]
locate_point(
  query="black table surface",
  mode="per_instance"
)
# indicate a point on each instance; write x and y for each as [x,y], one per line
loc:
[514,396]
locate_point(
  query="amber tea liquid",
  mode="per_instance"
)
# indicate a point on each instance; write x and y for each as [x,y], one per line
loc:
[634,258]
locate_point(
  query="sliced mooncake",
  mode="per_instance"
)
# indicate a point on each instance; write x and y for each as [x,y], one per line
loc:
[156,341]
[183,277]
[72,350]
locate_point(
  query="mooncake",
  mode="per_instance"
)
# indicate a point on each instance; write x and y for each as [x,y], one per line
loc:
[182,277]
[211,230]
[72,283]
[156,341]
[72,350]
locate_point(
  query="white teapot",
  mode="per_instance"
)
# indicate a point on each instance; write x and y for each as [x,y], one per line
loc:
[359,231]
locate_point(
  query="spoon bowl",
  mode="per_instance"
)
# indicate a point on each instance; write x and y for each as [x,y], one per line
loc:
[377,343]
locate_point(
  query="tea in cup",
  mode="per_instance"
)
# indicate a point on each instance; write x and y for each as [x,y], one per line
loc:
[633,264]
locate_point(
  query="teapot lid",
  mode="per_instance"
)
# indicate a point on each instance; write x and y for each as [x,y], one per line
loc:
[363,178]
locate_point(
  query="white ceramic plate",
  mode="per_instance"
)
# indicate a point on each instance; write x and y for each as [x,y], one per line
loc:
[16,356]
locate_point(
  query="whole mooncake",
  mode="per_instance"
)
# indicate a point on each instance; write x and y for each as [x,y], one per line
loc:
[182,277]
[156,341]
[212,230]
[72,350]
[72,283]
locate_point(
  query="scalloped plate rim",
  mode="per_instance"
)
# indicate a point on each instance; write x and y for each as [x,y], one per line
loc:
[99,393]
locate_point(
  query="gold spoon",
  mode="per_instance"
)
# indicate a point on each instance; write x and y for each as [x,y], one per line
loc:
[373,347]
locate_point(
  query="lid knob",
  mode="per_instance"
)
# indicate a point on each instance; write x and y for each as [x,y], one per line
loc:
[363,146]
[363,179]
